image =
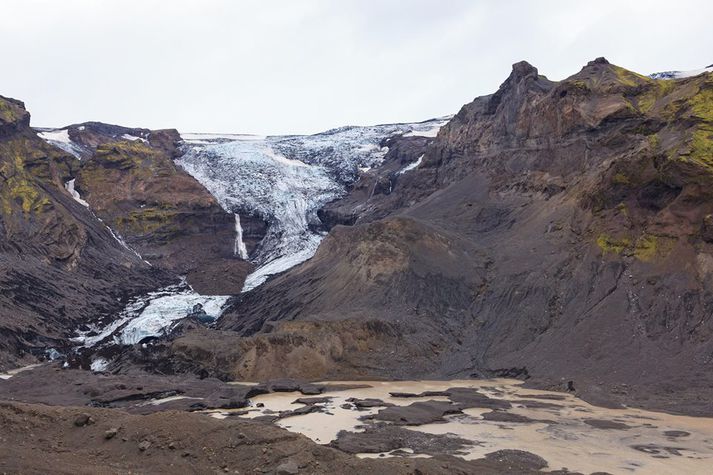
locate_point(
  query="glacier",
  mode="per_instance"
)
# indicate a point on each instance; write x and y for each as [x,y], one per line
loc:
[285,180]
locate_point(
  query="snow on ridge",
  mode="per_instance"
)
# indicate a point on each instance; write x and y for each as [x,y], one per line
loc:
[60,139]
[681,74]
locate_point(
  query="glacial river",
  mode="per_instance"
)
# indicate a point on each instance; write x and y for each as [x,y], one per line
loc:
[562,429]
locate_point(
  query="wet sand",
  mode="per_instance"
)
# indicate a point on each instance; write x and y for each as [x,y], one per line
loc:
[566,431]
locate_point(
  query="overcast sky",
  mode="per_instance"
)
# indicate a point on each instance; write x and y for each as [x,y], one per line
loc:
[301,66]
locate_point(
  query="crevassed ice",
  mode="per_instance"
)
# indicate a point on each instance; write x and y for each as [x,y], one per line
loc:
[133,138]
[99,364]
[148,315]
[249,177]
[162,311]
[285,180]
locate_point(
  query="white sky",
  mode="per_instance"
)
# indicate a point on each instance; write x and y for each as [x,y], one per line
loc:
[301,66]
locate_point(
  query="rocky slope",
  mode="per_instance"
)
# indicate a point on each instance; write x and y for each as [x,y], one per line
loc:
[557,231]
[59,266]
[129,180]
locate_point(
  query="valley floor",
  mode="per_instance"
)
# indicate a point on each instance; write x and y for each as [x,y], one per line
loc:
[102,423]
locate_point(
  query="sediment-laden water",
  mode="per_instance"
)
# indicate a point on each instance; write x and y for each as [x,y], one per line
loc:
[564,430]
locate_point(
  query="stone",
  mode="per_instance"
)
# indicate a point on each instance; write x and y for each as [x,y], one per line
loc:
[287,468]
[83,420]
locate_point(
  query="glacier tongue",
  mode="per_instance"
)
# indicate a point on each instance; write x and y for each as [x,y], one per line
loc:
[285,180]
[248,176]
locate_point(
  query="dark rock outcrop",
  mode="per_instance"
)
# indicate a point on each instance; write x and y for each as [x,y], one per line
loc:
[60,267]
[131,182]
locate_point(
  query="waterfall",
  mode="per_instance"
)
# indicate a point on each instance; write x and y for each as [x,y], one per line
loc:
[239,248]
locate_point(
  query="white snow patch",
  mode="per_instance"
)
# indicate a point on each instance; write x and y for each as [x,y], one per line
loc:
[69,186]
[681,74]
[99,364]
[59,136]
[411,166]
[133,138]
[60,139]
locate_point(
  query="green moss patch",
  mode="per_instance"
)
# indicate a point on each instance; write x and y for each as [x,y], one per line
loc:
[609,244]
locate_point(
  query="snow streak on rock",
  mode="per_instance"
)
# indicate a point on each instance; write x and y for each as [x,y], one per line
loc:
[681,74]
[411,166]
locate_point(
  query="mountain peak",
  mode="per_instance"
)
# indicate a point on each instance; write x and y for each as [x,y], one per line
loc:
[13,114]
[523,69]
[599,60]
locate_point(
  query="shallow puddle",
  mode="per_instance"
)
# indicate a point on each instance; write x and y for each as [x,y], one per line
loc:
[565,431]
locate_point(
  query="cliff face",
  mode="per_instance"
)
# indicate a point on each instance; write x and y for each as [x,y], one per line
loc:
[553,230]
[131,182]
[59,266]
